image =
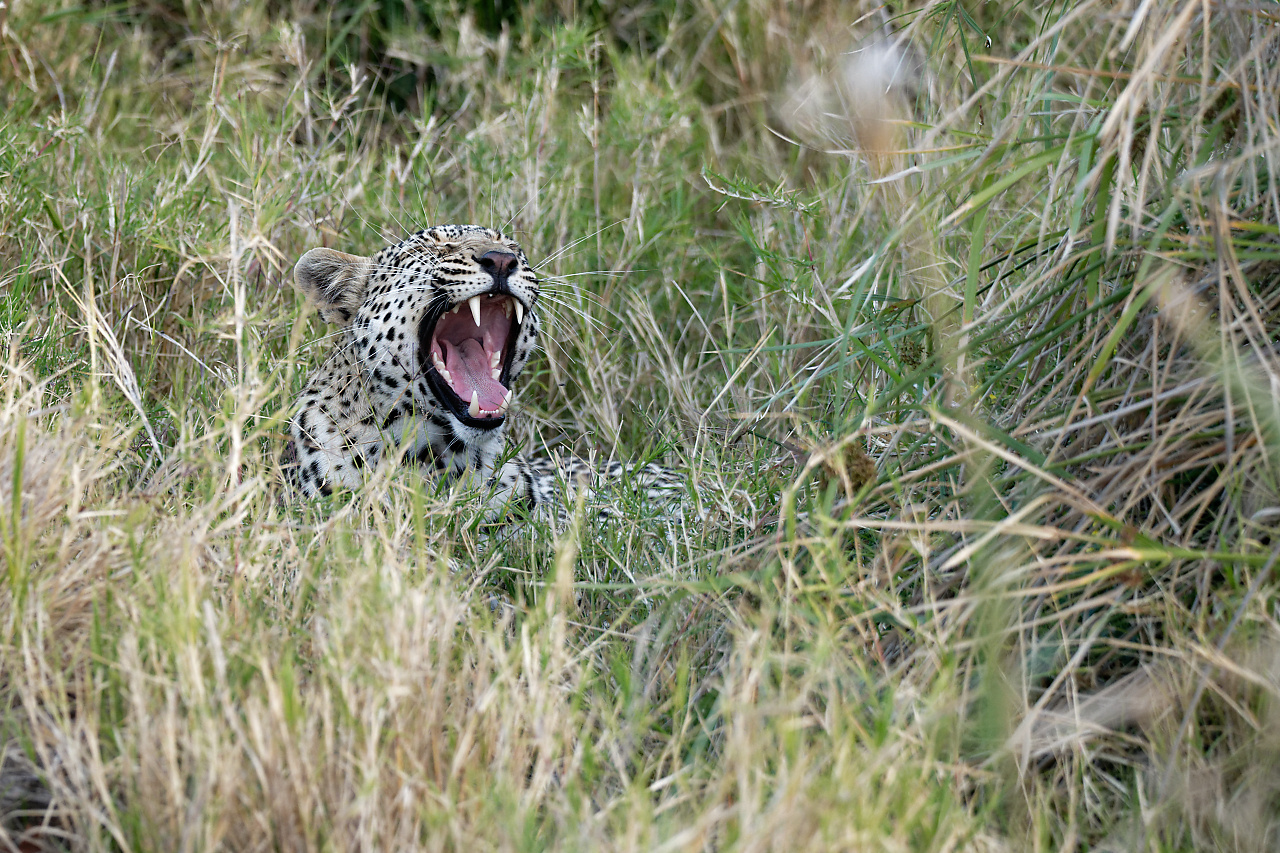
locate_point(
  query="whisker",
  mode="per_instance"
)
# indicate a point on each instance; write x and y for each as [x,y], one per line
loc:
[564,249]
[603,273]
[554,321]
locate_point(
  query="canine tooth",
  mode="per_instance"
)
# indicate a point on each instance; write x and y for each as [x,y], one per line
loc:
[519,312]
[506,401]
[474,302]
[474,408]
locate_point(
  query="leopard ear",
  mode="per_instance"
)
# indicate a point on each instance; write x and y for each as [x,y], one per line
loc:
[334,281]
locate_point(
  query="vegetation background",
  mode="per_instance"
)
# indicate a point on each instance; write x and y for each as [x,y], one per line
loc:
[962,316]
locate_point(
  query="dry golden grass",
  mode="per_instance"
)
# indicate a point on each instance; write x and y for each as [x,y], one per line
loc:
[964,320]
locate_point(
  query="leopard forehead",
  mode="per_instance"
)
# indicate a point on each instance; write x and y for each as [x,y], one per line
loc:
[444,241]
[446,259]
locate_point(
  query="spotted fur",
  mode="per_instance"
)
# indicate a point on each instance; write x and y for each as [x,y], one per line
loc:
[407,355]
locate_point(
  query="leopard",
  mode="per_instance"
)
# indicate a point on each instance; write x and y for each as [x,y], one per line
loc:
[434,332]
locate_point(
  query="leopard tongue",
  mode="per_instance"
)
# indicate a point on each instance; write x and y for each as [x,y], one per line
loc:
[470,373]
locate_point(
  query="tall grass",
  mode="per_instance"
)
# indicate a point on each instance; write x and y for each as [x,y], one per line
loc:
[963,320]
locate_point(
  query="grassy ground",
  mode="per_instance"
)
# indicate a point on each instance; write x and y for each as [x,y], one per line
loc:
[969,345]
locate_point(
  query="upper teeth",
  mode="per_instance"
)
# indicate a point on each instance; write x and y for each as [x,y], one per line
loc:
[440,368]
[507,305]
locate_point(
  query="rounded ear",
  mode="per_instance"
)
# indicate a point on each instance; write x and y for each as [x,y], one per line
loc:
[334,281]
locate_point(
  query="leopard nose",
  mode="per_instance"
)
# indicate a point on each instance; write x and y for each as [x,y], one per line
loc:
[498,264]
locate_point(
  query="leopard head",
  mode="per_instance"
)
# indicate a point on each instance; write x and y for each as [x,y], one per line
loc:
[445,319]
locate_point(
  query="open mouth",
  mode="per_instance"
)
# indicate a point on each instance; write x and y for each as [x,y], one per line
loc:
[467,353]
